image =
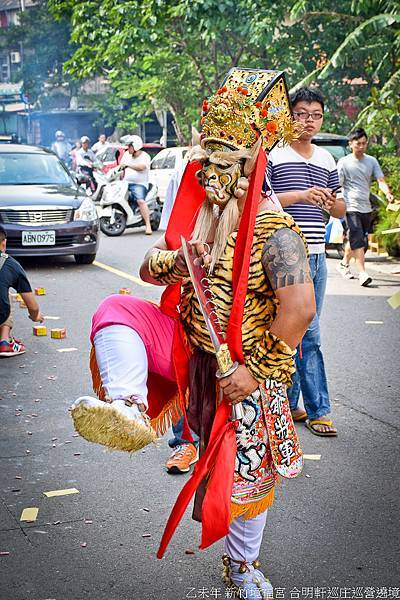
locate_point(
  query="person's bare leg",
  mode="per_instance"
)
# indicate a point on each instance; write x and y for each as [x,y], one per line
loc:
[363,277]
[144,211]
[359,257]
[348,253]
[5,333]
[344,265]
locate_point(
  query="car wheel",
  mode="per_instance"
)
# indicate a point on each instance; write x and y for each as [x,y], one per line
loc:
[84,259]
[116,228]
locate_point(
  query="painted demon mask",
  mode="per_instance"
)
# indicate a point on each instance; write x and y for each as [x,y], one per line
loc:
[221,171]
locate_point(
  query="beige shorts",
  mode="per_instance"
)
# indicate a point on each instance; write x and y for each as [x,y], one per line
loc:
[9,321]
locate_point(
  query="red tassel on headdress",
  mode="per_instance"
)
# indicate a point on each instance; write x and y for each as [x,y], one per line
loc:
[241,259]
[220,454]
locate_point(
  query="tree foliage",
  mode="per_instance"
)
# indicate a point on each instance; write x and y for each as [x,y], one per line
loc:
[157,53]
[370,50]
[169,55]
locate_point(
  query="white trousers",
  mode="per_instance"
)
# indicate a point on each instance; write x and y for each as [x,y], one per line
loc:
[122,361]
[244,539]
[123,365]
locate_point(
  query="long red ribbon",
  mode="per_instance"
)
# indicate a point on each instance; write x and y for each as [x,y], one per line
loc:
[241,259]
[187,203]
[216,508]
[202,468]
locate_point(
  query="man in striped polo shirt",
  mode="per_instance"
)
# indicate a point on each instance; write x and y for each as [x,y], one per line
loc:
[305,179]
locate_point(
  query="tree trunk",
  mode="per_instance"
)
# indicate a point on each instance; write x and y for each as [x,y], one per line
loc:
[116,135]
[178,130]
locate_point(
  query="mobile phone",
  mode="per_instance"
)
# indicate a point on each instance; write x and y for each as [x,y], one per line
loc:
[336,189]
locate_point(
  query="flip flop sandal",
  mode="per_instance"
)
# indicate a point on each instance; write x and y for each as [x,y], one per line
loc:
[310,425]
[300,417]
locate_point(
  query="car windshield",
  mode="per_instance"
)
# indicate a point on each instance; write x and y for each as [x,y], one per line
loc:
[32,169]
[336,151]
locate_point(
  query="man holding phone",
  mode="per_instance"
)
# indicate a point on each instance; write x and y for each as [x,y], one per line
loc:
[305,179]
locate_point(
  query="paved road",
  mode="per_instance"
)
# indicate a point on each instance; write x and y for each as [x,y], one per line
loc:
[335,526]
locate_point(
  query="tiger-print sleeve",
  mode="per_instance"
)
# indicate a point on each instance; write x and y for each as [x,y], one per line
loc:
[162,267]
[272,358]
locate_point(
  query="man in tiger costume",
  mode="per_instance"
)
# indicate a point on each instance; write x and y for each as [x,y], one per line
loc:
[151,364]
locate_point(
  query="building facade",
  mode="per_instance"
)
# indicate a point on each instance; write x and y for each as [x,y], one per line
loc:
[11,58]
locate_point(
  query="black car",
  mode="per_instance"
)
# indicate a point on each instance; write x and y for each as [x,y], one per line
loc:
[336,144]
[42,208]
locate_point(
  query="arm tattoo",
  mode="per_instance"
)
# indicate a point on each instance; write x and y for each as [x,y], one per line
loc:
[285,259]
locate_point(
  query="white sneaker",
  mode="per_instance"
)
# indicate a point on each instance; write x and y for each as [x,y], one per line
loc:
[245,580]
[364,278]
[344,270]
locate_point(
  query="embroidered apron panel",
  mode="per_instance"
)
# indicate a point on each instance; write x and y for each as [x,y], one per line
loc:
[255,473]
[285,448]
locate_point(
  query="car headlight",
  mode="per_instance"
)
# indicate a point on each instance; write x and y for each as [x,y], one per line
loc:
[86,211]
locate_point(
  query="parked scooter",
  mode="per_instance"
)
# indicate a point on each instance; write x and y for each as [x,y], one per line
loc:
[116,212]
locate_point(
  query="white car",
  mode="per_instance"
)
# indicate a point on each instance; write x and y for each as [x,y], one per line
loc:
[163,166]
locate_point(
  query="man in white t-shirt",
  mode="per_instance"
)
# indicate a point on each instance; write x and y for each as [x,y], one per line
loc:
[136,163]
[100,144]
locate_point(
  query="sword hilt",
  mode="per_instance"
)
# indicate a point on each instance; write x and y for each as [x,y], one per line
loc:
[226,368]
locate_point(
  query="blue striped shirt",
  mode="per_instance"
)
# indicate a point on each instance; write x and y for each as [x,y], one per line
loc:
[289,171]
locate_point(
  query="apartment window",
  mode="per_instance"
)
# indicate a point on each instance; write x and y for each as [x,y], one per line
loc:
[4,68]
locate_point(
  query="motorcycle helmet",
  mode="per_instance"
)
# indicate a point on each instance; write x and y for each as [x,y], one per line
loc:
[84,139]
[59,134]
[135,141]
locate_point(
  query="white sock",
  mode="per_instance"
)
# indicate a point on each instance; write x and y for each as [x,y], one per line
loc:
[131,412]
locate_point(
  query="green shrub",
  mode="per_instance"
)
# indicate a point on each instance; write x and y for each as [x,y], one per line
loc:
[388,219]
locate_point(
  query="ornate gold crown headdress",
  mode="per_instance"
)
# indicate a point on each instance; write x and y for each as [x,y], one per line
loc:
[251,103]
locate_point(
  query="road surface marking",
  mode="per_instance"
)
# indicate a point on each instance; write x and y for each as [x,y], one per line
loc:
[53,493]
[67,349]
[121,274]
